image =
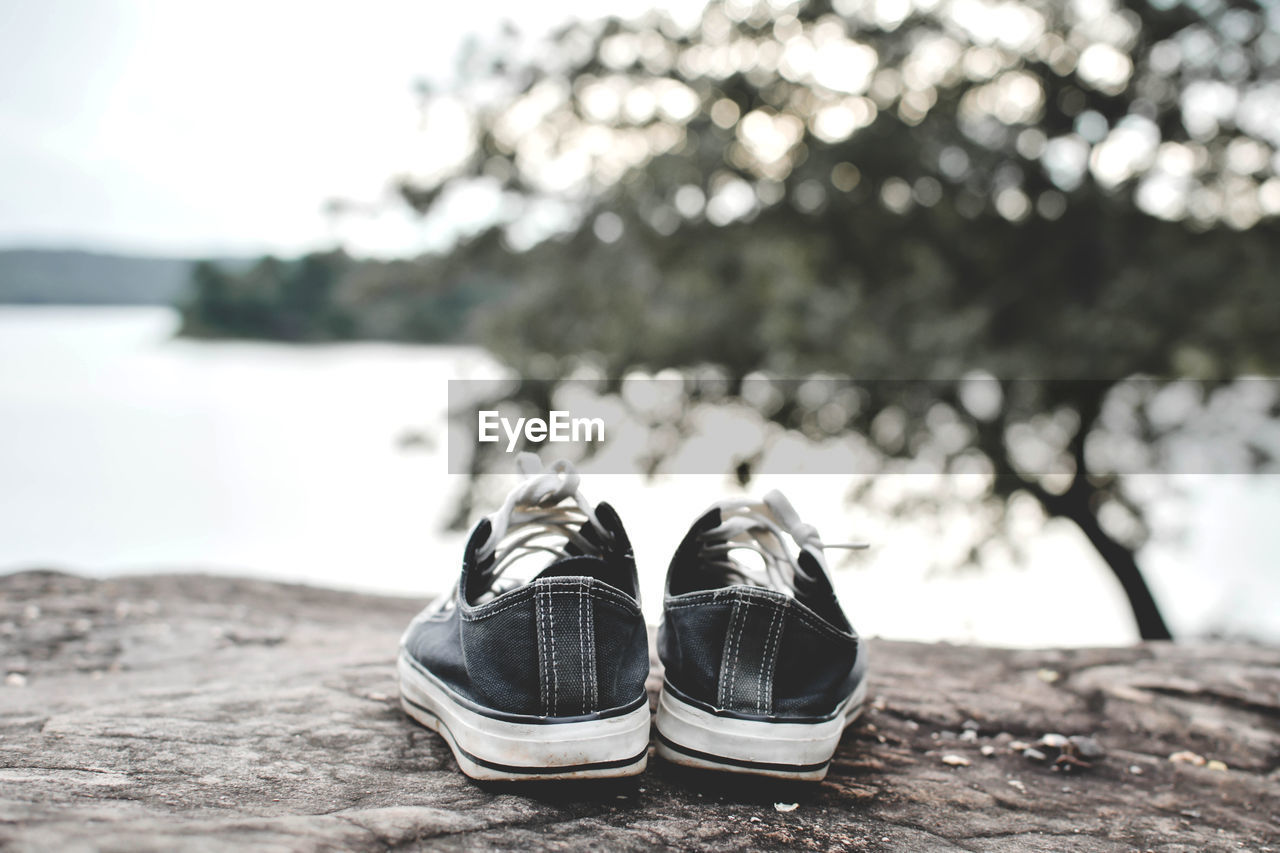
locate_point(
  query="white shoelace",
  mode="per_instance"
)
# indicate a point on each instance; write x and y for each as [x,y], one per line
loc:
[760,527]
[532,519]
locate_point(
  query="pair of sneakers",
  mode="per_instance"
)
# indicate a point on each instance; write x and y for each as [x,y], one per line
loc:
[545,678]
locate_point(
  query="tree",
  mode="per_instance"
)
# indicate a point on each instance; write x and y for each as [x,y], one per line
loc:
[1072,196]
[331,296]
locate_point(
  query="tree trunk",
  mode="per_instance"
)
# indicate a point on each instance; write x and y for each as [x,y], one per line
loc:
[1074,504]
[1120,559]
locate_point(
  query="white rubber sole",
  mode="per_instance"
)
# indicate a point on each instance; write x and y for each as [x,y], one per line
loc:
[490,749]
[803,751]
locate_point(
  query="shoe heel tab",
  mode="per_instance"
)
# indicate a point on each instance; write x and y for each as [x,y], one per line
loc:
[749,657]
[564,614]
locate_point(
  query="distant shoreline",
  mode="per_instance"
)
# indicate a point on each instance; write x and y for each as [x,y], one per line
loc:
[89,278]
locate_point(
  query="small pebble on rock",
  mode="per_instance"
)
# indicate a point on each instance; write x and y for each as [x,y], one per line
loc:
[988,750]
[785,807]
[953,760]
[1033,754]
[1135,770]
[969,736]
[1087,748]
[1053,741]
[1019,745]
[1186,756]
[1215,764]
[1048,676]
[15,679]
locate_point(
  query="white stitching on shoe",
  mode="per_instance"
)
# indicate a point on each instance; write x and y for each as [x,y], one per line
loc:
[760,675]
[726,656]
[764,662]
[544,658]
[766,657]
[736,644]
[620,600]
[743,621]
[582,643]
[798,610]
[591,650]
[555,675]
[772,642]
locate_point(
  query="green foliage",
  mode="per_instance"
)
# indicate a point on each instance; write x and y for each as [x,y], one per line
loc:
[331,296]
[901,201]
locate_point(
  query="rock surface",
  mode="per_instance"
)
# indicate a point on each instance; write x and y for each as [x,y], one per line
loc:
[167,712]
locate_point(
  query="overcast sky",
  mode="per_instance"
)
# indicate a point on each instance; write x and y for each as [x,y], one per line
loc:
[222,127]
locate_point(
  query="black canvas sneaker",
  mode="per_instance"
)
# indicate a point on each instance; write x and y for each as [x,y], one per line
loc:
[540,679]
[763,669]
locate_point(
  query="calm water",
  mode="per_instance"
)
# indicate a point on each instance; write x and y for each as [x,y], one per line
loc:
[124,450]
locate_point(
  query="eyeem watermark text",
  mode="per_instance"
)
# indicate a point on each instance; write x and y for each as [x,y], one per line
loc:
[559,426]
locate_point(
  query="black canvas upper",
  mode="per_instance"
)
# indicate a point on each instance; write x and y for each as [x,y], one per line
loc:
[752,652]
[568,644]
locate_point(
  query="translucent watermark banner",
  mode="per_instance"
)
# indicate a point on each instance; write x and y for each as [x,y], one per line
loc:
[978,424]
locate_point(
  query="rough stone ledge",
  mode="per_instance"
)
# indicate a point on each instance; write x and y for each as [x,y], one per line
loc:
[184,711]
